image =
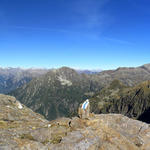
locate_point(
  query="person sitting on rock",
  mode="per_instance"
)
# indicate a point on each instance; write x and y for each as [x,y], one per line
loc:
[84,110]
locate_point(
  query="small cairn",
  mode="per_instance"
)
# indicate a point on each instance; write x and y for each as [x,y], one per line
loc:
[84,110]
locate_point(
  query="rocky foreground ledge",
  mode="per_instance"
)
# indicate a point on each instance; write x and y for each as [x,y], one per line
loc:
[23,129]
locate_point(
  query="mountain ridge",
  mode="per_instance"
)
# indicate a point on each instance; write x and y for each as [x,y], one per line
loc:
[12,78]
[59,92]
[133,102]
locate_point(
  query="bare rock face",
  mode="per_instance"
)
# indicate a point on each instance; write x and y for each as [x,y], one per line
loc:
[22,129]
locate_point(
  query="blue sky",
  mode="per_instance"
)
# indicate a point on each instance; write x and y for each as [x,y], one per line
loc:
[85,34]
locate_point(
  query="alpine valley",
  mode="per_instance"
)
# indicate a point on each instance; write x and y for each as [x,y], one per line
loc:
[59,92]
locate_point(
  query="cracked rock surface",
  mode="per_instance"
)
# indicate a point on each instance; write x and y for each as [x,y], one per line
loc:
[23,129]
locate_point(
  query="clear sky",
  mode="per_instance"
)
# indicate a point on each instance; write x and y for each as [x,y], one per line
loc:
[85,34]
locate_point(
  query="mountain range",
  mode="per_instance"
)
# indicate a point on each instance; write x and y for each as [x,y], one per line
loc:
[57,93]
[60,91]
[13,78]
[86,71]
[127,75]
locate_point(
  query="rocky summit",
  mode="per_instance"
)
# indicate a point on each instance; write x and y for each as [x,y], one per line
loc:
[23,129]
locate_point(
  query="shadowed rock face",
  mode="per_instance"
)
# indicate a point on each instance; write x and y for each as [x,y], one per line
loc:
[145,116]
[133,102]
[22,129]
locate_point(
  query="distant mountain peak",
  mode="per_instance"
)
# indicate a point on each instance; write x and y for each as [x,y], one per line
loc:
[88,71]
[146,66]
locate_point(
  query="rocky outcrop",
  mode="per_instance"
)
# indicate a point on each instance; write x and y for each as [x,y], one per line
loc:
[84,110]
[22,129]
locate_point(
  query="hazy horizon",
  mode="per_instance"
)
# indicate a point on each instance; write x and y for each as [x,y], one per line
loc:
[90,69]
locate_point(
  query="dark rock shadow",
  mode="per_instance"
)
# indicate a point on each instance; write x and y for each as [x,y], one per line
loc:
[145,117]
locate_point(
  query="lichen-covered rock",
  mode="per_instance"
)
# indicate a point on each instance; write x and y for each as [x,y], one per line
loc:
[22,129]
